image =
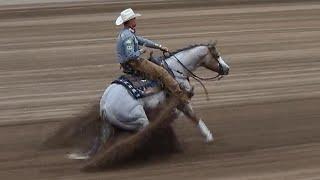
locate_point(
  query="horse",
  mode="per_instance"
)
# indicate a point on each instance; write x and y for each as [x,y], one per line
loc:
[119,110]
[122,110]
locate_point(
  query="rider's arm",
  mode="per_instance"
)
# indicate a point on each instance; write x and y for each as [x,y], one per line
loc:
[129,49]
[143,41]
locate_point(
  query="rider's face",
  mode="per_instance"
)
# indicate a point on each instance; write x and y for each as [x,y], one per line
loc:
[132,23]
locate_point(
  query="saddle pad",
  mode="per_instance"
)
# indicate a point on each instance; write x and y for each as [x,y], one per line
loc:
[137,86]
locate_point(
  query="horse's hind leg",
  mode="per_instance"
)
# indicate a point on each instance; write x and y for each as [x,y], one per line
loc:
[133,120]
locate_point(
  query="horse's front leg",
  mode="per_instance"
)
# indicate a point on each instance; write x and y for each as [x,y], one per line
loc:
[189,112]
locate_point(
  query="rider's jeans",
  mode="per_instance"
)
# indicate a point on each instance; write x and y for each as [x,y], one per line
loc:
[156,72]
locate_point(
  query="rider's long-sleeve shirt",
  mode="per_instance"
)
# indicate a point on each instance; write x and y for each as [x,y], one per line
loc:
[128,45]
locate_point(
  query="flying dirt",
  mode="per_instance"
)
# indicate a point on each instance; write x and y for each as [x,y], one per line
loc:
[56,59]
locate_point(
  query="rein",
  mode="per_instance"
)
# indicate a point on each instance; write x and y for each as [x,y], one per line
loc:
[195,77]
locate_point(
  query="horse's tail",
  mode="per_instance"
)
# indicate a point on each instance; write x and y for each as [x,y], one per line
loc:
[66,134]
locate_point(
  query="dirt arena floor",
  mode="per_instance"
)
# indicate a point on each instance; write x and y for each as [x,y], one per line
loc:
[57,58]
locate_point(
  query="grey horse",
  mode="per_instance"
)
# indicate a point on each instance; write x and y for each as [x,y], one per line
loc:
[123,111]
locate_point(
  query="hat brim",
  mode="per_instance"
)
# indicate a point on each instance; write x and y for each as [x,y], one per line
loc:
[120,21]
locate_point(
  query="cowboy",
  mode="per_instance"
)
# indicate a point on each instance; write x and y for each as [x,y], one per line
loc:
[129,55]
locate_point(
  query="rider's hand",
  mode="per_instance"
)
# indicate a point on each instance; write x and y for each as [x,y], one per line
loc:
[165,49]
[162,48]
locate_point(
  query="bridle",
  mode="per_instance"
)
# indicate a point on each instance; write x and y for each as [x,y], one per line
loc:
[196,77]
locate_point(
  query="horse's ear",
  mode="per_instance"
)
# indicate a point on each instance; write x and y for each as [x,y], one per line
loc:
[212,43]
[215,42]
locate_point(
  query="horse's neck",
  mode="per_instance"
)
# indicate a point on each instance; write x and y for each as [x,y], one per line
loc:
[191,59]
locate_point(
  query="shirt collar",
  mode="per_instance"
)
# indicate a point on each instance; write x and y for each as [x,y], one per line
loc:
[132,30]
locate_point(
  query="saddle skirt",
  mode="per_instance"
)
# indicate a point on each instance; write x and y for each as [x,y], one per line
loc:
[137,86]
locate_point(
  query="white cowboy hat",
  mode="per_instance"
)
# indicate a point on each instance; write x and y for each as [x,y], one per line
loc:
[126,15]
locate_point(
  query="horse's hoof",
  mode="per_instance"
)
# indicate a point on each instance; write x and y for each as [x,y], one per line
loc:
[209,138]
[78,156]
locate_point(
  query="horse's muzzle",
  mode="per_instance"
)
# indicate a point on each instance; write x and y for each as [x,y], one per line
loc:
[223,67]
